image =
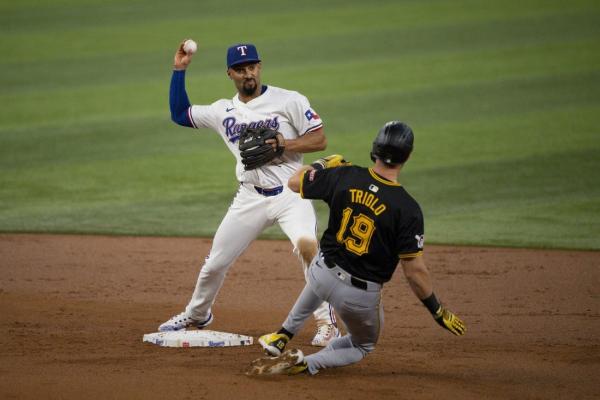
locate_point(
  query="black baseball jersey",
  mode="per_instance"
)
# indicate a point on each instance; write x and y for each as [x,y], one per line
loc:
[373,222]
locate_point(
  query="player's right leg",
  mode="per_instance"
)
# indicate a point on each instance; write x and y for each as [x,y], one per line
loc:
[297,219]
[306,248]
[244,221]
[274,343]
[359,309]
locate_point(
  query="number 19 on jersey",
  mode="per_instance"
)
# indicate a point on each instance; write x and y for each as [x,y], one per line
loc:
[357,237]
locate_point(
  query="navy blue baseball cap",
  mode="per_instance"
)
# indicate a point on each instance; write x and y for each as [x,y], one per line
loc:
[241,53]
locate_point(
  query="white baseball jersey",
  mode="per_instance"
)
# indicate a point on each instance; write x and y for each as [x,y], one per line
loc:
[285,111]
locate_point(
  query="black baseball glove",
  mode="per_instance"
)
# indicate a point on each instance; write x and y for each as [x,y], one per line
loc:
[255,150]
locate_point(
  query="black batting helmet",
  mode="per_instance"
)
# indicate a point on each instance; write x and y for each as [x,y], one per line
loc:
[393,143]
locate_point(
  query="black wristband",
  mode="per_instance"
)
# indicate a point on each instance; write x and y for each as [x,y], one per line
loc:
[317,165]
[432,304]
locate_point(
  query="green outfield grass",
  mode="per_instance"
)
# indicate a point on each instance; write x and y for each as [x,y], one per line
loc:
[504,99]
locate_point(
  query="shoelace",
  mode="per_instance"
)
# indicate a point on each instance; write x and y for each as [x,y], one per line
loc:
[328,330]
[180,317]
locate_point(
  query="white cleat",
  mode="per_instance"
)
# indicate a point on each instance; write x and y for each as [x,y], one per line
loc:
[184,321]
[325,334]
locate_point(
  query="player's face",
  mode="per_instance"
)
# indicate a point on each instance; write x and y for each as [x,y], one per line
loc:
[246,78]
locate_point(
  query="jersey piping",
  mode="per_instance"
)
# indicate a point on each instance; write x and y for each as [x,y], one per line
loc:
[189,113]
[312,129]
[411,255]
[382,180]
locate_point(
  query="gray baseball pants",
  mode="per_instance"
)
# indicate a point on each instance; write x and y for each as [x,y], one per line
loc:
[359,308]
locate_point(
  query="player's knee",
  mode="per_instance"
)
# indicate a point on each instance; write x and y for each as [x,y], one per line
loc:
[210,272]
[366,348]
[214,267]
[307,249]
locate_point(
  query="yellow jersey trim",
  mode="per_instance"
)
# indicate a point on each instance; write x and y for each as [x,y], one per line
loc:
[301,191]
[380,179]
[411,255]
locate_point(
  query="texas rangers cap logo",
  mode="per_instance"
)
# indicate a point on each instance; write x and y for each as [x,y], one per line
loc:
[242,53]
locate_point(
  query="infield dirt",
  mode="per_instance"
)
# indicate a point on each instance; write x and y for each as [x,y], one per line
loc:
[74,309]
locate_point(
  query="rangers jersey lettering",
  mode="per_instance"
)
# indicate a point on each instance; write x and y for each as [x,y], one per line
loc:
[233,128]
[279,109]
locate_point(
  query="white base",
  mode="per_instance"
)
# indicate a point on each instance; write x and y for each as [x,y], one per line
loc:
[197,338]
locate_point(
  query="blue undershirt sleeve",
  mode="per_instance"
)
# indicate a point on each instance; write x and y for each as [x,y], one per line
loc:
[178,100]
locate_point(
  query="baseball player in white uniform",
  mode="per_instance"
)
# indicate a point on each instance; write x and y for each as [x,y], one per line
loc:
[263,197]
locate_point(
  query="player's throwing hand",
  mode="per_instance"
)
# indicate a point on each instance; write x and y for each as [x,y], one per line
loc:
[182,59]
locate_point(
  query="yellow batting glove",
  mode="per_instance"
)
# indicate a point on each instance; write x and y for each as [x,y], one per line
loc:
[332,161]
[446,319]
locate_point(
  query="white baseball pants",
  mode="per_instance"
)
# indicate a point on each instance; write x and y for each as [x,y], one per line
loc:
[248,216]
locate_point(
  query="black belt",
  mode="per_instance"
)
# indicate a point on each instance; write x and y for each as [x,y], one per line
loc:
[356,282]
[269,192]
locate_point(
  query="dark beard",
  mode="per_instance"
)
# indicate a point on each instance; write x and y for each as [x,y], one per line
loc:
[249,90]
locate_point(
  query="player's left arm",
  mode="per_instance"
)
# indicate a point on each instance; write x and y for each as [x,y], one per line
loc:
[419,279]
[307,123]
[307,143]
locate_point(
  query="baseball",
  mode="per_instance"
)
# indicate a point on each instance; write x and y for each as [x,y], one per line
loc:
[190,47]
